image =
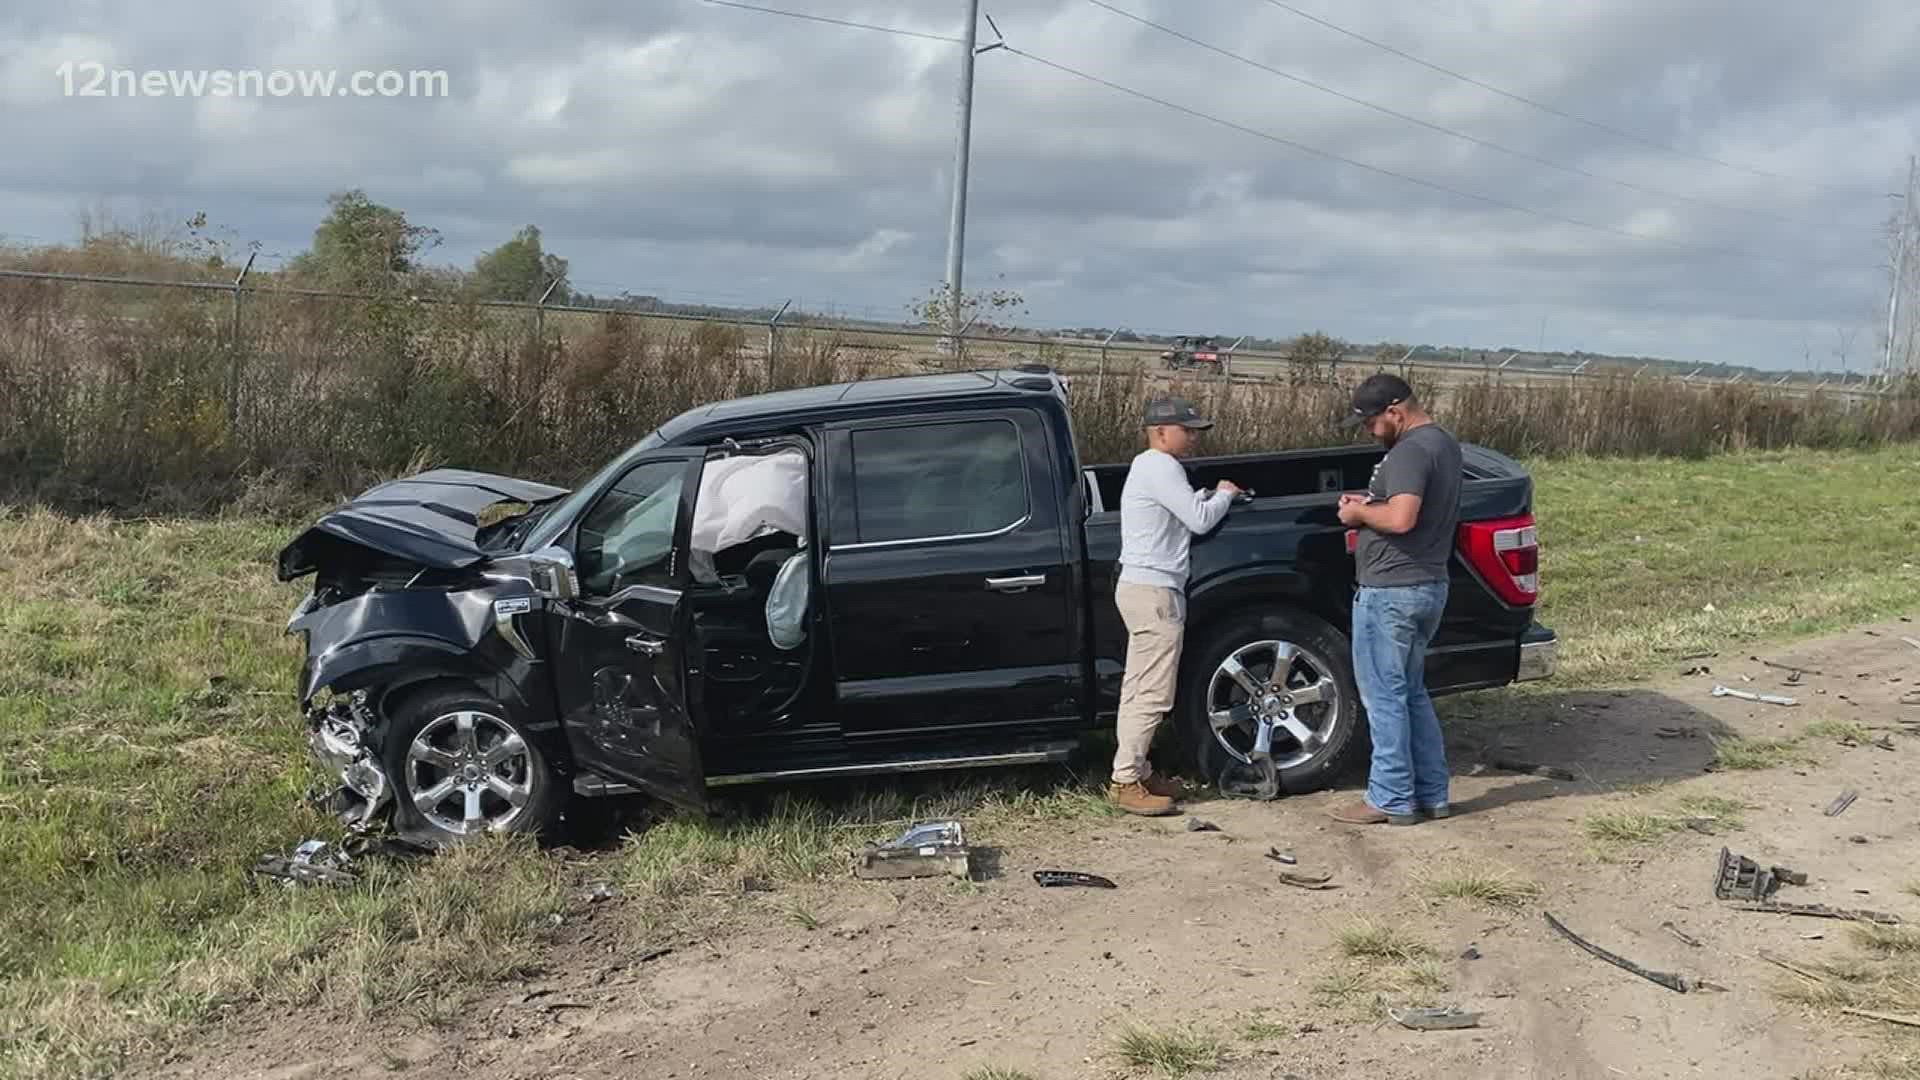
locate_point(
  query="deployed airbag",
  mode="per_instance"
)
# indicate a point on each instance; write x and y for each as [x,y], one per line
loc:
[742,498]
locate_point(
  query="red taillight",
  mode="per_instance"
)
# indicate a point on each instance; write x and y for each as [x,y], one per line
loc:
[1353,541]
[1506,554]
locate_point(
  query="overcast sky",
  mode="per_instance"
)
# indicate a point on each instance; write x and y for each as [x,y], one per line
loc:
[697,152]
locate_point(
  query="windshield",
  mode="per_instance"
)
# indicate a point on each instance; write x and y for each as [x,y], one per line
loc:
[556,521]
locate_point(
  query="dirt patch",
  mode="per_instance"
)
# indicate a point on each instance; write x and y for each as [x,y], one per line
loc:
[937,978]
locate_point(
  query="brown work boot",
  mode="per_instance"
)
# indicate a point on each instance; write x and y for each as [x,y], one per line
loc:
[1161,785]
[1135,798]
[1364,813]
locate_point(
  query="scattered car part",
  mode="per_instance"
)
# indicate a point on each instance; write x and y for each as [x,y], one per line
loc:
[929,849]
[1195,824]
[1818,911]
[1306,881]
[1740,878]
[1840,804]
[1054,878]
[1748,695]
[1794,668]
[1427,1019]
[1471,952]
[1551,772]
[1678,983]
[314,862]
[1685,938]
[598,891]
[1884,742]
[1698,669]
[1279,856]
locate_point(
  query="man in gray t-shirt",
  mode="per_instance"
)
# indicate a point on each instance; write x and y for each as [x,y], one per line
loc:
[1406,521]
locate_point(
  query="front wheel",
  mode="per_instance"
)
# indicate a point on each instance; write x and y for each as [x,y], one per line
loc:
[461,767]
[1284,666]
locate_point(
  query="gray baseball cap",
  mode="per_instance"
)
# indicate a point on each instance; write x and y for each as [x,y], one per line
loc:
[1175,410]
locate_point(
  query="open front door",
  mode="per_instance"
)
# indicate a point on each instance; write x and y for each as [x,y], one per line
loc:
[620,665]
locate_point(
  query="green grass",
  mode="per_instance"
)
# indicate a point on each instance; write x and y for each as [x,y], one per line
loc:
[994,1072]
[1172,1054]
[1259,1027]
[1840,731]
[1612,831]
[1633,551]
[1367,940]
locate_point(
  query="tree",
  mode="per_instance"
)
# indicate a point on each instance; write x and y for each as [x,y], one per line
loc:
[520,270]
[982,309]
[363,246]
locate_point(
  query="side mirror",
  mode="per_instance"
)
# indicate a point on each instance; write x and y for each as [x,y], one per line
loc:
[551,569]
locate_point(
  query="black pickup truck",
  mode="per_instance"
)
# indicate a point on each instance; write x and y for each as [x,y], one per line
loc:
[877,577]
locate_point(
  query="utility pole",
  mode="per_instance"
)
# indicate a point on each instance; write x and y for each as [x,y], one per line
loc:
[957,226]
[1899,273]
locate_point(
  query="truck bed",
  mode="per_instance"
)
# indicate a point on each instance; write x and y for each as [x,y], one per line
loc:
[1293,523]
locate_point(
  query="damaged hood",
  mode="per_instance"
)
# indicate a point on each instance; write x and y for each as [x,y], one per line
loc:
[431,519]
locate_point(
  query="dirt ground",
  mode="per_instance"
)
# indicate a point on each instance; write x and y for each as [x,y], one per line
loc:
[935,978]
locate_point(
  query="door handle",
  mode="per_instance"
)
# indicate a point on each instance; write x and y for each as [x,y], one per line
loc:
[646,646]
[1016,584]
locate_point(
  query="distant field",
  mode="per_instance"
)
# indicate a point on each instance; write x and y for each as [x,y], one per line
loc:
[149,751]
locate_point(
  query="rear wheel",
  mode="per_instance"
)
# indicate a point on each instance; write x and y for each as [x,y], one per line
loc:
[1284,666]
[461,767]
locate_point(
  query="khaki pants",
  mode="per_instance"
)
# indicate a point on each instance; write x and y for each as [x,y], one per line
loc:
[1156,621]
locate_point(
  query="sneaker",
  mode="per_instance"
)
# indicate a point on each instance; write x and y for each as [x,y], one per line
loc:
[1364,813]
[1135,798]
[1161,785]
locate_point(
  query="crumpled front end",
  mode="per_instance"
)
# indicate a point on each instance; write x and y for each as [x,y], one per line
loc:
[338,733]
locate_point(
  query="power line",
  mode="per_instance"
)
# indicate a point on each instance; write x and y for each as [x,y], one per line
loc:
[1451,132]
[835,22]
[1563,114]
[1411,179]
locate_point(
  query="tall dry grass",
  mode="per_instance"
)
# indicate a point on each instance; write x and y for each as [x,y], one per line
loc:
[122,397]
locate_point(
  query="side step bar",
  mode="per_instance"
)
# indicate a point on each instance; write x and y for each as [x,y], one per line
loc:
[1045,753]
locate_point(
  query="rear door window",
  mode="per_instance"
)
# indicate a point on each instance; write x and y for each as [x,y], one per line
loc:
[938,481]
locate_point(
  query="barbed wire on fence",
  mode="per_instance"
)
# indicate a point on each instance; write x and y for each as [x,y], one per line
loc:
[1099,354]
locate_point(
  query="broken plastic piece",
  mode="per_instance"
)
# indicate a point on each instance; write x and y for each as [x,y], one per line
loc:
[314,862]
[929,849]
[1306,881]
[1820,911]
[1740,878]
[1748,695]
[1279,856]
[1840,804]
[1257,779]
[1053,878]
[1678,983]
[1448,1019]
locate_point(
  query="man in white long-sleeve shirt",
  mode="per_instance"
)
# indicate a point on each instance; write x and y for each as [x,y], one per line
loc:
[1160,512]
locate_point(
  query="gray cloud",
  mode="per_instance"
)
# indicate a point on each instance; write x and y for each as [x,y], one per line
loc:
[689,150]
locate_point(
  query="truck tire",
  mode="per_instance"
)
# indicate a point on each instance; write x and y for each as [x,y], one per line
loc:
[460,766]
[1318,679]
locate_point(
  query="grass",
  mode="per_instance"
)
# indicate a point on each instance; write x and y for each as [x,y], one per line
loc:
[1487,886]
[1882,974]
[994,1072]
[1258,1027]
[1633,552]
[1172,1054]
[1611,831]
[1367,940]
[1746,754]
[1840,731]
[1380,964]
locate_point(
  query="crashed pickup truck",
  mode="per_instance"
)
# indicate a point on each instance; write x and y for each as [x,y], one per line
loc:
[870,578]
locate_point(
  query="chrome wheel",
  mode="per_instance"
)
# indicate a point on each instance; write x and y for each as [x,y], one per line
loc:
[469,772]
[1279,688]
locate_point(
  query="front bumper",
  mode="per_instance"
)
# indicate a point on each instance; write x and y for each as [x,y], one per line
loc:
[337,736]
[1539,655]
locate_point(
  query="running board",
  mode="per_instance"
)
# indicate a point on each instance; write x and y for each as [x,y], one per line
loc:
[1040,755]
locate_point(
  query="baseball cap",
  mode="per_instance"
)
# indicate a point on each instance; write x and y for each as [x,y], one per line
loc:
[1175,410]
[1374,395]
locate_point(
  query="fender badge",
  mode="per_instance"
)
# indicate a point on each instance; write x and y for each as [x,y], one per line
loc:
[506,608]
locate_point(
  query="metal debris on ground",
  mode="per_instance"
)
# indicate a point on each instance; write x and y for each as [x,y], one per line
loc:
[1840,804]
[1471,952]
[598,891]
[1195,824]
[1678,983]
[1818,911]
[1698,669]
[929,849]
[1279,856]
[1685,938]
[1748,695]
[1054,878]
[314,862]
[1551,772]
[1794,668]
[1450,1018]
[1306,881]
[1258,779]
[1740,878]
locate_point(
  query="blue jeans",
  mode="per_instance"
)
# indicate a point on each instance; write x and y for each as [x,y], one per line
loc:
[1391,630]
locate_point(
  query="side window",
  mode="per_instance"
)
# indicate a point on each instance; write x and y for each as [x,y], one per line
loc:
[627,539]
[931,480]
